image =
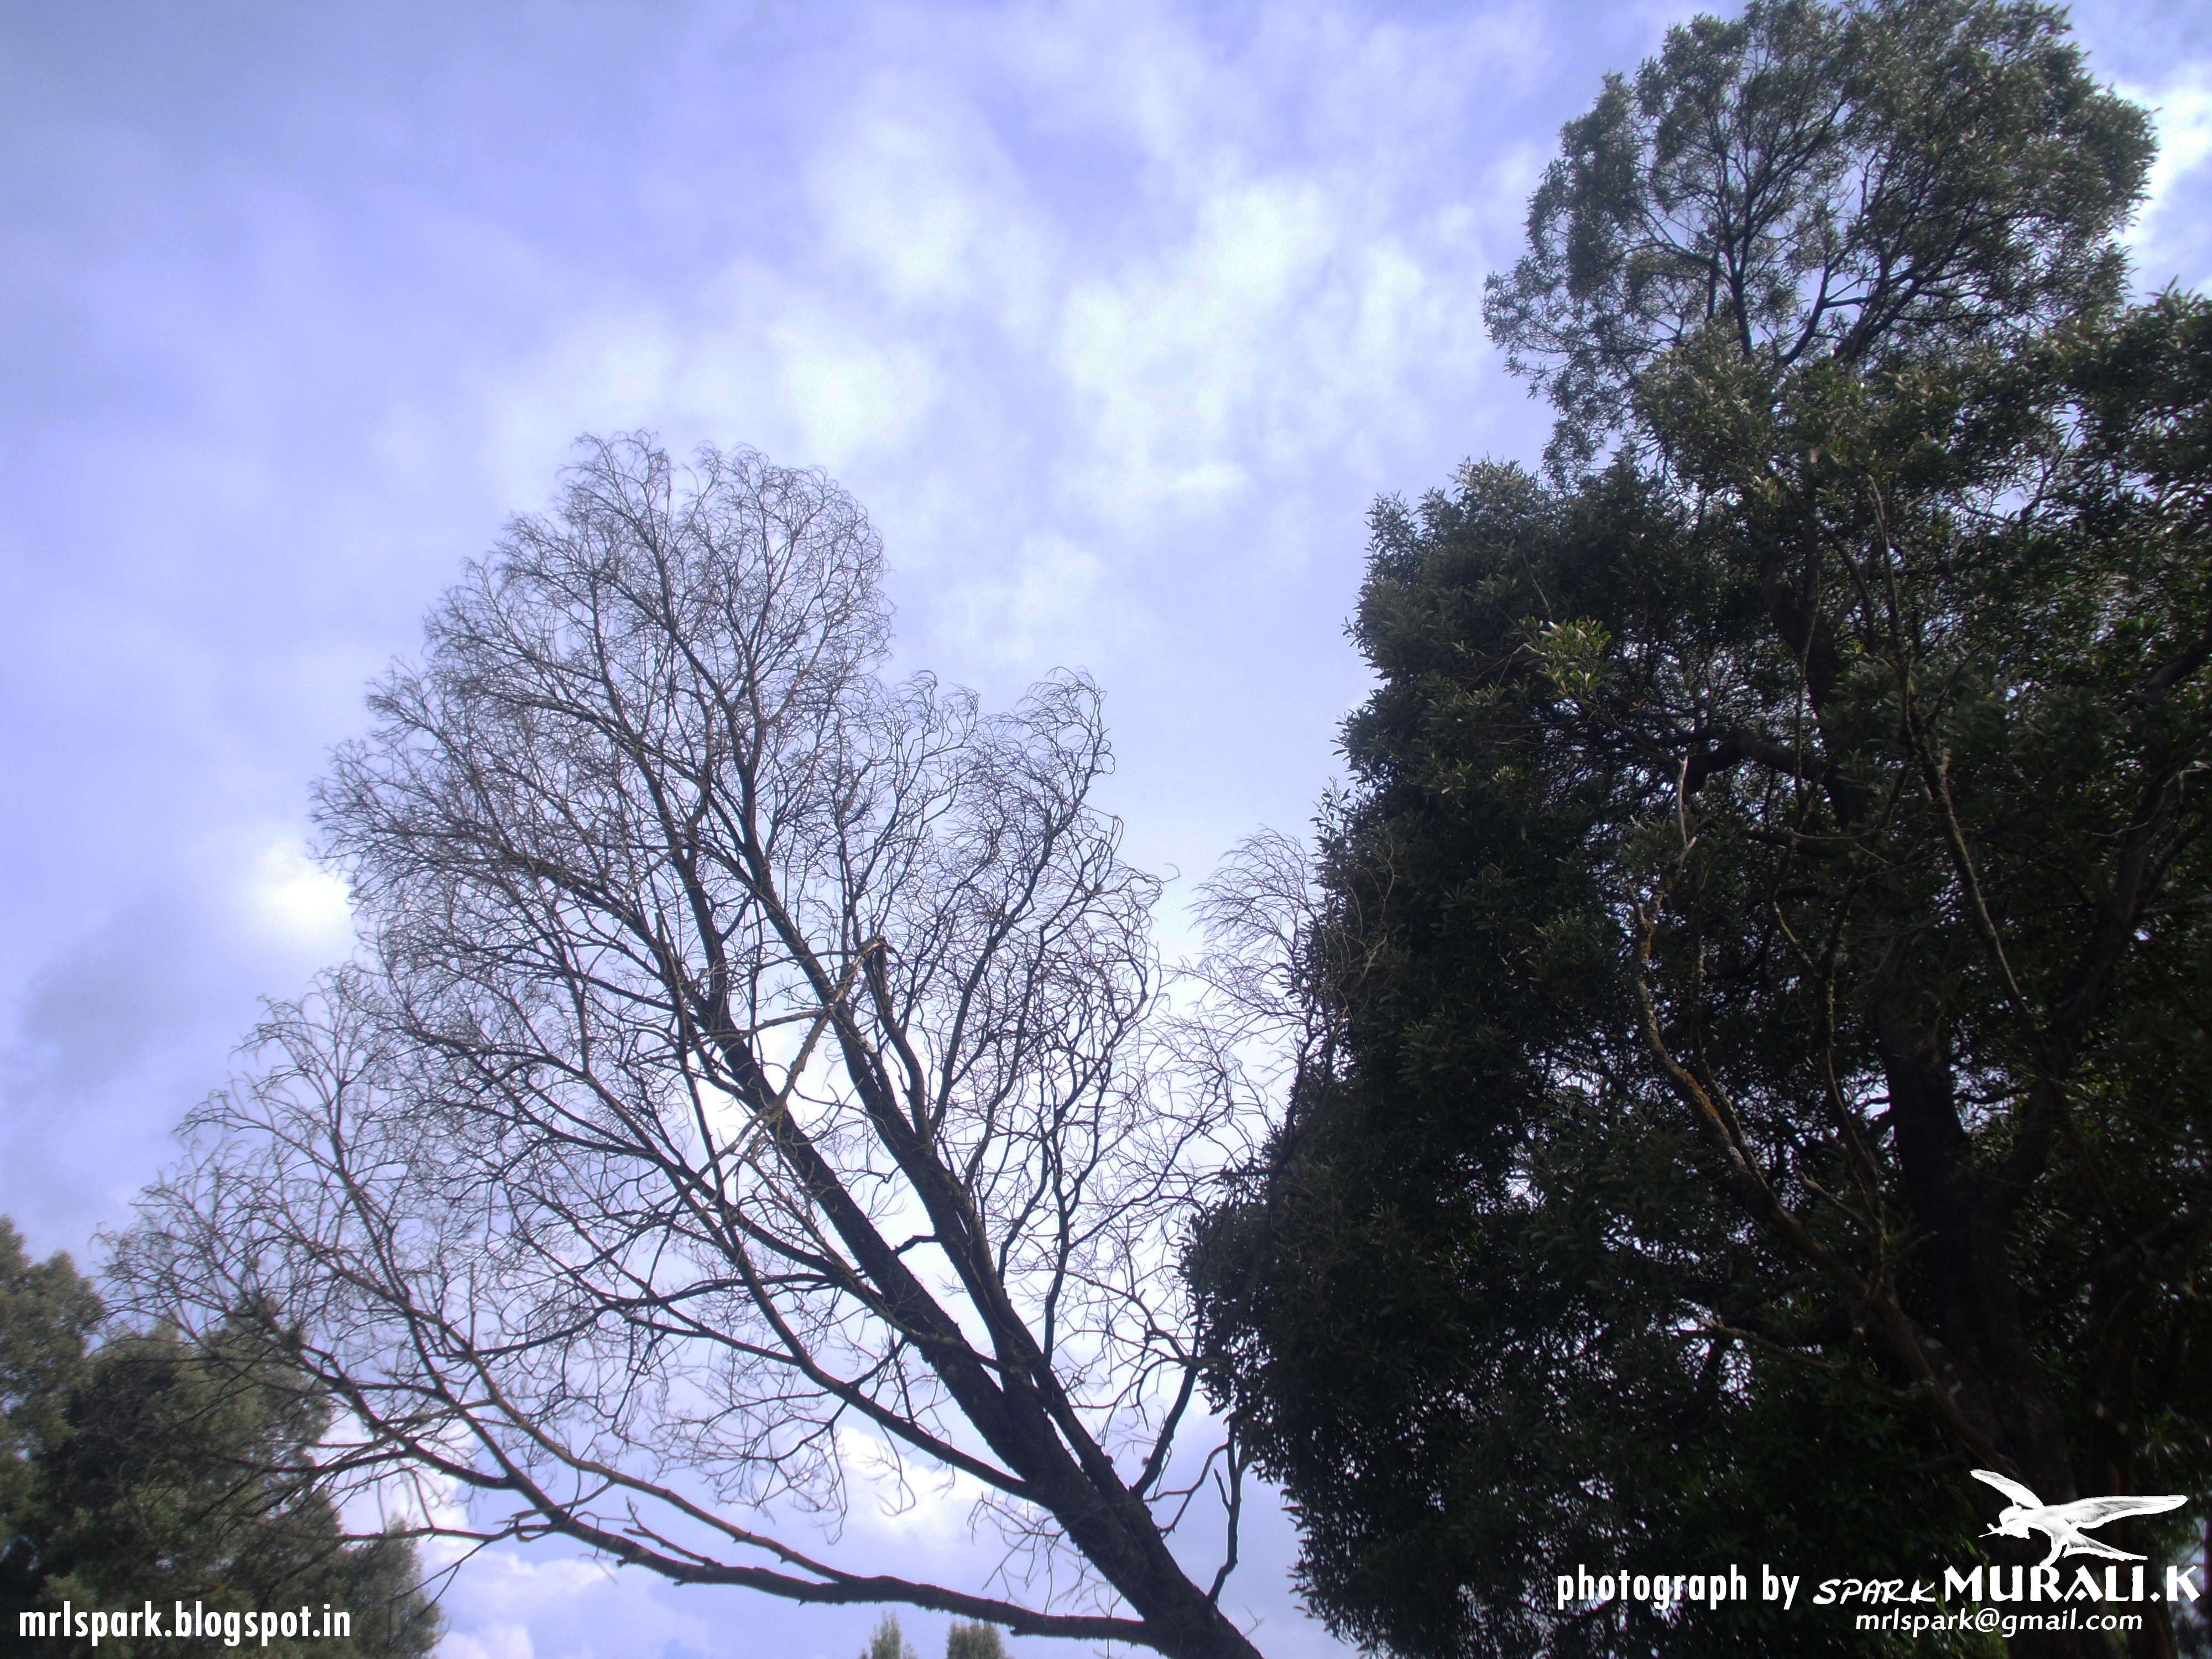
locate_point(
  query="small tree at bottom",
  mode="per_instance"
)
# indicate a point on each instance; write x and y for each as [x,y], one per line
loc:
[976,1641]
[889,1643]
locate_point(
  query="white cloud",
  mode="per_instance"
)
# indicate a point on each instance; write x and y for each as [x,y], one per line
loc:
[1052,603]
[846,393]
[2183,113]
[1171,353]
[509,1603]
[503,1641]
[917,194]
[298,900]
[2167,239]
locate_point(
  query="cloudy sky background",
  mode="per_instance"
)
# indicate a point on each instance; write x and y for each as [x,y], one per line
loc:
[1115,316]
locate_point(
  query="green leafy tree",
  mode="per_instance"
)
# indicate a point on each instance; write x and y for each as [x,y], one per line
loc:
[151,1471]
[1760,1062]
[47,1315]
[974,1641]
[889,1642]
[1862,187]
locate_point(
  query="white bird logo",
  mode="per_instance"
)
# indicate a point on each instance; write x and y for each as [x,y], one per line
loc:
[2063,1522]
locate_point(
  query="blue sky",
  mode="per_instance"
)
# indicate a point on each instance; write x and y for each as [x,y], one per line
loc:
[1116,317]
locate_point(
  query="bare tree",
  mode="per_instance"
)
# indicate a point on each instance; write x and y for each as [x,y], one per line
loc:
[742,1076]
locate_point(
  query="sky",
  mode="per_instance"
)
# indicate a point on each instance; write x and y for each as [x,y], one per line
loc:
[1116,317]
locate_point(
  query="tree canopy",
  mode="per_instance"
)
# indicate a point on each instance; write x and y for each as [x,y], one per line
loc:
[152,1471]
[741,1097]
[1762,1063]
[48,1313]
[1857,186]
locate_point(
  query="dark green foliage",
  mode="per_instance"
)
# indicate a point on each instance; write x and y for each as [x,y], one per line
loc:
[1474,1381]
[1573,1337]
[158,1473]
[1763,949]
[47,1313]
